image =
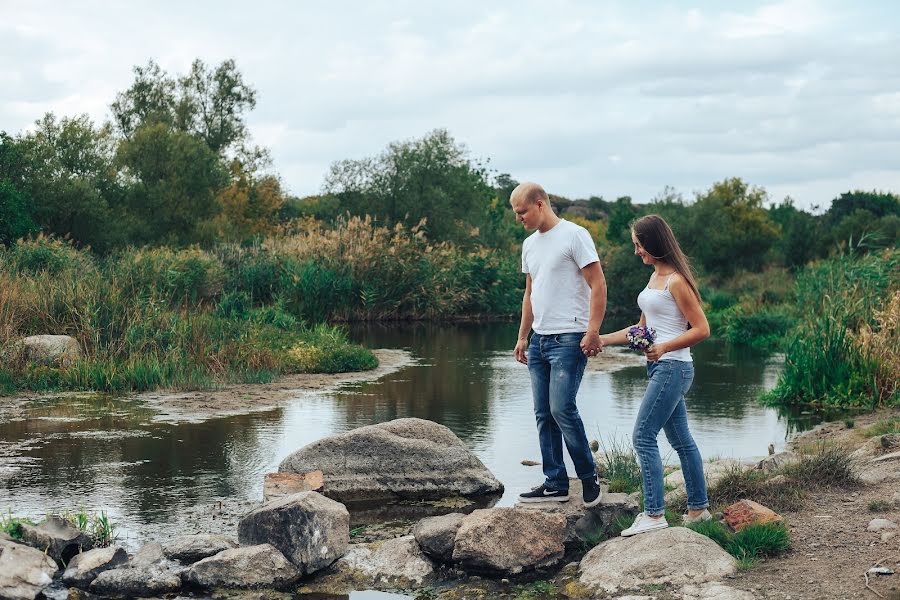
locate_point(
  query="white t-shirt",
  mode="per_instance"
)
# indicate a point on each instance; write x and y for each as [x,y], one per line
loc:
[560,297]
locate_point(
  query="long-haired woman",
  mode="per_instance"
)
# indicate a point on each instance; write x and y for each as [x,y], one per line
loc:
[670,304]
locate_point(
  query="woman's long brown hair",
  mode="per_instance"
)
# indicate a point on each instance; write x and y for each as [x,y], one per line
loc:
[657,239]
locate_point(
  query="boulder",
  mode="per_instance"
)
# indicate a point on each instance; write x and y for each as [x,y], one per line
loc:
[405,458]
[260,566]
[881,524]
[24,571]
[588,524]
[189,549]
[148,555]
[747,512]
[676,556]
[509,540]
[137,582]
[85,567]
[436,535]
[887,457]
[57,537]
[778,461]
[312,531]
[890,442]
[387,565]
[52,350]
[714,471]
[276,485]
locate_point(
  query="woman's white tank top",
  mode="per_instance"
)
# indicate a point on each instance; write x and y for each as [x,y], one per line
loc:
[663,315]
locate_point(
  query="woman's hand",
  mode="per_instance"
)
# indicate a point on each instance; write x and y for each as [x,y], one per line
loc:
[590,343]
[654,352]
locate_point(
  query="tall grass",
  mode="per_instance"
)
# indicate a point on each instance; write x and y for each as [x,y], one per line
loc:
[842,350]
[153,318]
[620,466]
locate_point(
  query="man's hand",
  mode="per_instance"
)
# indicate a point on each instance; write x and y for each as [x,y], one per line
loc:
[655,351]
[590,343]
[521,352]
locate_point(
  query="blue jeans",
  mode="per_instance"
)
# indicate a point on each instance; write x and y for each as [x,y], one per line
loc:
[556,364]
[663,408]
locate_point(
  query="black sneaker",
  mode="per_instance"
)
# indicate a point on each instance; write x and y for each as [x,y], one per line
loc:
[591,492]
[544,494]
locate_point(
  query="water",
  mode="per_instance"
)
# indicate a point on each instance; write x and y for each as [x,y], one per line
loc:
[96,452]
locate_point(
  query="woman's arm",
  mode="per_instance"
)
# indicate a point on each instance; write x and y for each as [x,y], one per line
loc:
[617,338]
[690,307]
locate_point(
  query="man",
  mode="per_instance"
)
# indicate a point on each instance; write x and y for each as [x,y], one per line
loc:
[564,302]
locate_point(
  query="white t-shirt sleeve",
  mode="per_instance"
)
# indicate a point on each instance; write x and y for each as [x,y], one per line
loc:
[584,252]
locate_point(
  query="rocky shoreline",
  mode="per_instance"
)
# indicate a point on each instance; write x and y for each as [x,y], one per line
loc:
[303,539]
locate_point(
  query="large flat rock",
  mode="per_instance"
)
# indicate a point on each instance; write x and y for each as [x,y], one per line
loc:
[24,571]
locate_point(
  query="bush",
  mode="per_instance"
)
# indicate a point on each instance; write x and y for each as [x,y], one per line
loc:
[47,255]
[764,330]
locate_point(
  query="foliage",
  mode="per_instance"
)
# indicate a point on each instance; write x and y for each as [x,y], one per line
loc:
[15,216]
[428,182]
[620,466]
[826,467]
[886,426]
[101,530]
[12,526]
[825,362]
[759,540]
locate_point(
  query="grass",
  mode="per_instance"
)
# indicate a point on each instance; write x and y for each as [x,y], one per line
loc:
[829,466]
[535,589]
[739,482]
[750,543]
[884,427]
[879,506]
[620,466]
[98,526]
[12,526]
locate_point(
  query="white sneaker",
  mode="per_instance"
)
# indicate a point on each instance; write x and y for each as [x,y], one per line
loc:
[704,516]
[643,523]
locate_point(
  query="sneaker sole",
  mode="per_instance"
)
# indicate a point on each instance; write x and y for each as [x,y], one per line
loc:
[594,503]
[645,530]
[545,499]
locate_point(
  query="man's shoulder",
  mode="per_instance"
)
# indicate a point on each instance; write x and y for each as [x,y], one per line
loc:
[530,239]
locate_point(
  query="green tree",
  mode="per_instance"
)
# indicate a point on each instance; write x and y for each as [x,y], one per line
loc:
[729,229]
[174,178]
[800,240]
[209,103]
[15,218]
[430,178]
[621,214]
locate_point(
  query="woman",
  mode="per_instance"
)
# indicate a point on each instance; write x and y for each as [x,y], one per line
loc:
[670,304]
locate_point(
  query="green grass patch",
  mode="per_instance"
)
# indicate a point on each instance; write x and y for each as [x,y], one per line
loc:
[749,544]
[884,427]
[879,506]
[620,466]
[12,526]
[533,590]
[828,466]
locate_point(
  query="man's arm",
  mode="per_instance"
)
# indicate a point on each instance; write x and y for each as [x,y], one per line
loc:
[593,275]
[521,352]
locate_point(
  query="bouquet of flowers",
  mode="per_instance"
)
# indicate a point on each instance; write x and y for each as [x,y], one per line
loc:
[640,337]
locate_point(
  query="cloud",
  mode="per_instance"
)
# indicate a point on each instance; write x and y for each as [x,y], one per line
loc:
[590,98]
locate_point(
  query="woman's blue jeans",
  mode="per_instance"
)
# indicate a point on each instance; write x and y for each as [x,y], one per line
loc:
[663,408]
[556,364]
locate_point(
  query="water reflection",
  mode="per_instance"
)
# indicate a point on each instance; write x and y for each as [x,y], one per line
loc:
[100,452]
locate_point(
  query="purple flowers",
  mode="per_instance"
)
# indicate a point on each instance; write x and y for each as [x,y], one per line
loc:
[640,337]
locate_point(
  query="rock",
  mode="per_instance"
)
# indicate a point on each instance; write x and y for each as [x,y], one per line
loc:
[312,531]
[189,549]
[85,567]
[778,461]
[747,512]
[887,536]
[595,446]
[896,498]
[148,555]
[587,525]
[404,458]
[771,449]
[676,556]
[52,350]
[24,571]
[530,463]
[714,591]
[880,524]
[142,582]
[887,457]
[436,535]
[391,564]
[260,566]
[57,537]
[871,448]
[276,485]
[890,442]
[509,540]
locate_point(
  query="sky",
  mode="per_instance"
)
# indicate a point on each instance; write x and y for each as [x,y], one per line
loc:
[801,97]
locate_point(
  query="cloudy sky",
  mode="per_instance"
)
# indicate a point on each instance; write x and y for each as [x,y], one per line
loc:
[589,98]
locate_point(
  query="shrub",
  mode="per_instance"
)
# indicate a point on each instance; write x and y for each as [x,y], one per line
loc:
[758,541]
[47,255]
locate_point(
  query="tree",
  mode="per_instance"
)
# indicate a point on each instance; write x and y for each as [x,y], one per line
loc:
[729,229]
[208,103]
[249,206]
[800,240]
[621,215]
[429,178]
[174,178]
[15,219]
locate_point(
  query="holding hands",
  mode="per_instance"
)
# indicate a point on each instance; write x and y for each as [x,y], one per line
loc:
[591,344]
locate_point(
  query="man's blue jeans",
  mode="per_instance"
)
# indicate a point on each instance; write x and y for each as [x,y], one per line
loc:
[663,408]
[556,364]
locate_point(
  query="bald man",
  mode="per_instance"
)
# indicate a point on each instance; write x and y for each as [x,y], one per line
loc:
[564,303]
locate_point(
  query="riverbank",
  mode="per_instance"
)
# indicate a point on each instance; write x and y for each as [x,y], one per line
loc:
[831,546]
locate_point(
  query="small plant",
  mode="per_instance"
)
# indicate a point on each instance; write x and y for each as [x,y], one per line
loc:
[12,526]
[714,530]
[620,466]
[760,540]
[357,531]
[828,466]
[535,589]
[884,427]
[98,526]
[849,423]
[879,506]
[740,482]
